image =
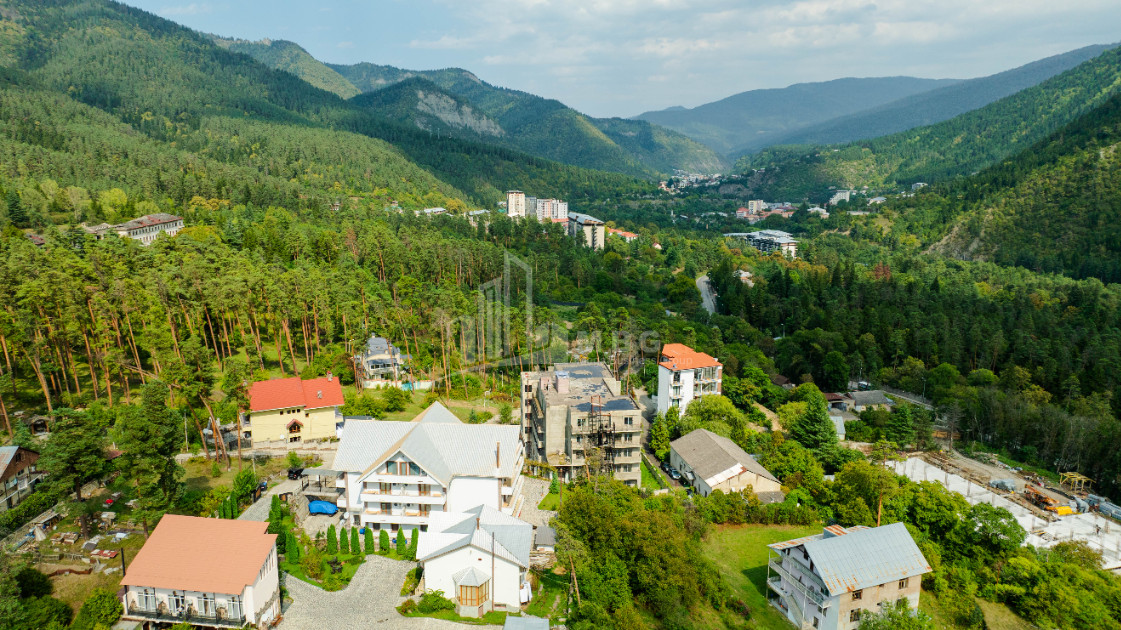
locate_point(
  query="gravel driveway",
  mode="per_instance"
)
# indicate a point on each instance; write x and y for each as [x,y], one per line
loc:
[259,511]
[369,601]
[533,490]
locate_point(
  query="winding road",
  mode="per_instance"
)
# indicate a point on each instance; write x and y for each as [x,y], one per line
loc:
[708,296]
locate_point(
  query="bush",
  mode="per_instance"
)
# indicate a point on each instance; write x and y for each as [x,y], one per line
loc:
[402,544]
[101,608]
[292,548]
[47,612]
[312,563]
[412,579]
[33,583]
[368,540]
[294,460]
[332,541]
[505,414]
[406,607]
[383,542]
[411,554]
[344,542]
[434,601]
[355,546]
[395,399]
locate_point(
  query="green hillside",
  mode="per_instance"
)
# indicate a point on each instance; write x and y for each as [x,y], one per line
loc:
[962,145]
[290,57]
[927,108]
[422,103]
[547,127]
[176,93]
[751,120]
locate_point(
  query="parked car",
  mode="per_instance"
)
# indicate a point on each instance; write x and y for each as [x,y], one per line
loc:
[665,467]
[674,474]
[295,473]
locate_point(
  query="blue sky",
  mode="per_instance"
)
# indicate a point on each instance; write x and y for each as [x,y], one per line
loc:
[623,57]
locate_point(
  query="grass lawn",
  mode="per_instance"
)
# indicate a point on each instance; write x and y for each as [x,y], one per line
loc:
[652,478]
[551,600]
[997,616]
[492,618]
[740,552]
[550,502]
[198,472]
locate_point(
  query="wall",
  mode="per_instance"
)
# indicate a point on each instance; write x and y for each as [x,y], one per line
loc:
[257,597]
[465,493]
[318,424]
[504,586]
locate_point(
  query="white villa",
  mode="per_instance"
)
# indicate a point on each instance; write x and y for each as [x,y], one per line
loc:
[685,375]
[209,572]
[479,558]
[402,474]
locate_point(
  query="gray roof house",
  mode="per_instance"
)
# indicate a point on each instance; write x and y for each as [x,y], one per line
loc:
[713,462]
[870,400]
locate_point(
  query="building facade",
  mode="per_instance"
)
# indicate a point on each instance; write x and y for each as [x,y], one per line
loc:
[479,558]
[18,475]
[685,375]
[382,364]
[208,572]
[292,410]
[149,227]
[588,228]
[393,475]
[576,418]
[755,206]
[515,203]
[768,241]
[712,462]
[832,579]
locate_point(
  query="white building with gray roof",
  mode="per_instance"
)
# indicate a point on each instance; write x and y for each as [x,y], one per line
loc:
[478,557]
[713,462]
[832,579]
[401,474]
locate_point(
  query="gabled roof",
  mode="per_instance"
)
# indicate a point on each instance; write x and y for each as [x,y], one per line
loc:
[873,397]
[862,557]
[284,393]
[715,458]
[209,555]
[482,527]
[436,441]
[8,464]
[149,220]
[677,356]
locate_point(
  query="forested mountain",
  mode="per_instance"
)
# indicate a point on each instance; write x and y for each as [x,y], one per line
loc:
[750,120]
[958,146]
[542,127]
[290,57]
[927,108]
[168,91]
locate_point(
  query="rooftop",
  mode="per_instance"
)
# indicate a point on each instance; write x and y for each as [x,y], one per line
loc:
[715,458]
[481,526]
[208,555]
[436,441]
[12,455]
[861,557]
[284,393]
[149,220]
[584,380]
[584,218]
[873,397]
[676,356]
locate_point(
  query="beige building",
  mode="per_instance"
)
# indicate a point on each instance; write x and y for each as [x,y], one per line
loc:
[712,462]
[832,579]
[293,410]
[590,229]
[577,410]
[515,204]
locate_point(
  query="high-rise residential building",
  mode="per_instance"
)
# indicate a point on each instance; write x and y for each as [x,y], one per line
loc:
[685,375]
[578,419]
[755,206]
[588,228]
[515,203]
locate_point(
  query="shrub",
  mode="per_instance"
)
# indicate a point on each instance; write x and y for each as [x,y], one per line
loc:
[406,607]
[332,541]
[47,612]
[411,554]
[396,399]
[215,470]
[412,579]
[368,540]
[294,460]
[101,608]
[355,548]
[402,544]
[292,548]
[505,414]
[383,542]
[312,563]
[344,542]
[434,601]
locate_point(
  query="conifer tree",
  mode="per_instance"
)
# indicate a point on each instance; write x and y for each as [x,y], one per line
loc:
[402,544]
[355,546]
[813,429]
[413,544]
[368,540]
[383,542]
[332,540]
[344,542]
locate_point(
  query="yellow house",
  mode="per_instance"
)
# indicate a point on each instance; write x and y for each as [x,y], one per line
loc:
[294,410]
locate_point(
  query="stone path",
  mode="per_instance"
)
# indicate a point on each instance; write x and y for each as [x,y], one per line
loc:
[259,511]
[369,601]
[533,490]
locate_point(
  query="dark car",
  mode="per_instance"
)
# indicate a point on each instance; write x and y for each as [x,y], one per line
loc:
[295,473]
[665,467]
[674,474]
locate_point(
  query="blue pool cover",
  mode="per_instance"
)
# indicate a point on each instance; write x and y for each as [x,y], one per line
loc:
[321,507]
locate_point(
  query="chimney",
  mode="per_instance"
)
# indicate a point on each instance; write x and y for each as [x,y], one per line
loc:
[319,394]
[329,376]
[562,382]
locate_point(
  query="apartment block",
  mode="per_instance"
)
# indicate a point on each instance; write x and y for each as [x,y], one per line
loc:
[588,228]
[832,579]
[516,203]
[685,375]
[577,418]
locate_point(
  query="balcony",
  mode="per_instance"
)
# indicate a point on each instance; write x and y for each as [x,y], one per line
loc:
[402,517]
[435,498]
[793,581]
[191,617]
[411,480]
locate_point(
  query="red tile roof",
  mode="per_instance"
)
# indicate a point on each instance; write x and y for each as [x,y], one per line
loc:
[208,555]
[286,393]
[677,356]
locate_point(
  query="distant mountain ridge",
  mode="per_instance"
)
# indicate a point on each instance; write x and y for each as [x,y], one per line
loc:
[517,120]
[755,117]
[927,108]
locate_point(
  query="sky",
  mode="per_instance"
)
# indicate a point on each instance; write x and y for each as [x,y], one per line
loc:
[624,57]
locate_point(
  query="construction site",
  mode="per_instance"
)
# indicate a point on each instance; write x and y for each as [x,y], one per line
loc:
[1048,515]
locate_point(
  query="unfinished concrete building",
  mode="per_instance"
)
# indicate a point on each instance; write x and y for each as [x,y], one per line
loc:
[577,418]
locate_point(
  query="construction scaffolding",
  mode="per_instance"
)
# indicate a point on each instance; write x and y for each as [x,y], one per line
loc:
[1078,482]
[600,435]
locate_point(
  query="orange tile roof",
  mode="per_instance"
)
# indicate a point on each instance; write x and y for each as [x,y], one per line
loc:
[677,356]
[284,393]
[207,555]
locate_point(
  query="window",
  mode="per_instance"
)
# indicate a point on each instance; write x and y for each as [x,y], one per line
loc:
[425,509]
[147,600]
[177,604]
[854,615]
[294,438]
[415,470]
[474,595]
[857,595]
[529,389]
[295,428]
[580,422]
[385,488]
[206,605]
[386,507]
[235,604]
[629,422]
[903,583]
[815,622]
[423,489]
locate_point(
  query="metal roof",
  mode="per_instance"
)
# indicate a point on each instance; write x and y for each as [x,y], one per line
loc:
[525,622]
[712,456]
[873,397]
[470,577]
[482,527]
[862,557]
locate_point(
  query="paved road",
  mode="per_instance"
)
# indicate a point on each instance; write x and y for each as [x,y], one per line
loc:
[708,296]
[369,601]
[259,511]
